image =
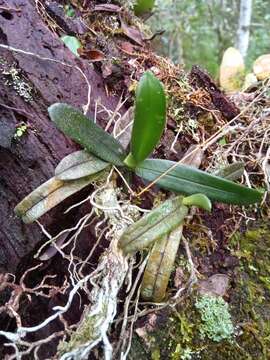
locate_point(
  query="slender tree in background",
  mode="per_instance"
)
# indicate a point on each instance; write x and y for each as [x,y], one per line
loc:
[242,40]
[198,32]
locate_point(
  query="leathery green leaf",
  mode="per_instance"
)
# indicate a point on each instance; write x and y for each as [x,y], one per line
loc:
[199,200]
[153,225]
[48,195]
[160,265]
[143,6]
[187,180]
[79,164]
[85,132]
[149,118]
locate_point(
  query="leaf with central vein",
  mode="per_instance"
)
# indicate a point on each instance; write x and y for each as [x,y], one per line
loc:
[86,133]
[187,180]
[159,266]
[48,195]
[79,164]
[153,225]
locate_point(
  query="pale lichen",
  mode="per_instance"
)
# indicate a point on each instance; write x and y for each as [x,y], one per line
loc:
[15,79]
[216,319]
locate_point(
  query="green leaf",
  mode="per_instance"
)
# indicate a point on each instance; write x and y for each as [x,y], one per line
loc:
[199,200]
[72,43]
[79,164]
[48,195]
[69,11]
[85,132]
[222,141]
[231,172]
[188,180]
[143,6]
[153,225]
[160,265]
[149,119]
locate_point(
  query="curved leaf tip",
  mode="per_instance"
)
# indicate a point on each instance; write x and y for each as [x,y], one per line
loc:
[199,200]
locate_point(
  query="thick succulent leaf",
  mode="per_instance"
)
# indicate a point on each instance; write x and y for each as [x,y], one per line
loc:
[85,132]
[143,6]
[149,119]
[187,180]
[199,200]
[48,195]
[160,265]
[153,225]
[231,172]
[79,164]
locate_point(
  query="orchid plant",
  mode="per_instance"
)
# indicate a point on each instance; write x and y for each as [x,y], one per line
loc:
[163,225]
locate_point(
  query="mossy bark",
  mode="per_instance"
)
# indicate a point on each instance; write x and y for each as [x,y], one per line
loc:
[178,333]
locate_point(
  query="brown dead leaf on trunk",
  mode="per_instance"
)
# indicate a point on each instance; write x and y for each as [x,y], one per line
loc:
[127,48]
[107,7]
[193,156]
[92,55]
[132,33]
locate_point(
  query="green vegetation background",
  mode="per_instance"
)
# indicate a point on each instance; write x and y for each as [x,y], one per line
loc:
[198,32]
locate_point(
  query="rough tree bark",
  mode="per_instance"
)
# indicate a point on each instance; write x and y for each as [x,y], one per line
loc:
[28,161]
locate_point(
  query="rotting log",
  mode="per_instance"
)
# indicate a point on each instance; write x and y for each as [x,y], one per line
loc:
[29,160]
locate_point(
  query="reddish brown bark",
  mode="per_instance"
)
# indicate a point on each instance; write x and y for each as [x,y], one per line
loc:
[27,162]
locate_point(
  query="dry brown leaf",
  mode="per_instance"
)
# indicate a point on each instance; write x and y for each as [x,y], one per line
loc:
[93,55]
[107,7]
[132,33]
[215,285]
[193,157]
[127,48]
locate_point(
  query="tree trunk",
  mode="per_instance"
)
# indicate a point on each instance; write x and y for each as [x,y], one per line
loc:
[242,40]
[29,160]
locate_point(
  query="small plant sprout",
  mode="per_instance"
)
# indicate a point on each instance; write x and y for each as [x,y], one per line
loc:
[20,131]
[161,227]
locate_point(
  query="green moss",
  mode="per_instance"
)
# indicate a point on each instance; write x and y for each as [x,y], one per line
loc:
[20,131]
[179,336]
[155,354]
[81,336]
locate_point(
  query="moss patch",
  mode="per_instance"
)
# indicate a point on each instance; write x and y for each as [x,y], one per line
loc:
[248,309]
